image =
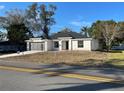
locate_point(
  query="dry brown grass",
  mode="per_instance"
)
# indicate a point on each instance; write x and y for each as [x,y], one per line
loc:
[66,57]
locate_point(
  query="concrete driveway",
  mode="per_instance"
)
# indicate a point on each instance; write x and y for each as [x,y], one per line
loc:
[18,54]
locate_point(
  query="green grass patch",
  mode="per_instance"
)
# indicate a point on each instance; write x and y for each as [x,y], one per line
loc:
[116,59]
[117,56]
[121,63]
[117,51]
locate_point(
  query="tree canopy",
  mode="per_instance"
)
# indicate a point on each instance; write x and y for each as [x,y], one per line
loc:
[14,23]
[3,36]
[40,18]
[86,31]
[107,31]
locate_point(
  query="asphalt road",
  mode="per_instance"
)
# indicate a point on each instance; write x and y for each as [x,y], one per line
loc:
[24,81]
[17,80]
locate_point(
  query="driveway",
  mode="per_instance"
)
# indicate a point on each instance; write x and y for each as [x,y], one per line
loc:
[18,76]
[18,54]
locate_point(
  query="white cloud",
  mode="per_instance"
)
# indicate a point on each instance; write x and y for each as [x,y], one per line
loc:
[80,23]
[2,7]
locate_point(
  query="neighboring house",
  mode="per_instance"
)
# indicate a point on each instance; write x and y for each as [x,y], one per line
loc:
[64,40]
[6,46]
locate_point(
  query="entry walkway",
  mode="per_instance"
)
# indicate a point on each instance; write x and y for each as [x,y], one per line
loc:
[19,54]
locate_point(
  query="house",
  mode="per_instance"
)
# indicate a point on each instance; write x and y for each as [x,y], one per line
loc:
[64,40]
[7,46]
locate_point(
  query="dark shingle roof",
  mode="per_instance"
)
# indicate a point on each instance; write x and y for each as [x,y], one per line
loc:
[74,35]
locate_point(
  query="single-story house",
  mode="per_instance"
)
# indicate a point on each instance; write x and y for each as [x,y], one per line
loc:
[64,40]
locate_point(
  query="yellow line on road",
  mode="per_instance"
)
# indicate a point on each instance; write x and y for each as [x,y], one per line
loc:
[67,75]
[18,69]
[88,77]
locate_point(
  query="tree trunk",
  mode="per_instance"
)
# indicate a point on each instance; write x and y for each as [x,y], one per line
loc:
[108,45]
[46,32]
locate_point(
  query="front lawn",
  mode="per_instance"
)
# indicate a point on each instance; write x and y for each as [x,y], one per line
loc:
[66,57]
[83,58]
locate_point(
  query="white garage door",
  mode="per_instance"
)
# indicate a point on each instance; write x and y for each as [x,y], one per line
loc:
[37,46]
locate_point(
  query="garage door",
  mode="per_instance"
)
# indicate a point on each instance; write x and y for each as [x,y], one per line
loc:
[37,46]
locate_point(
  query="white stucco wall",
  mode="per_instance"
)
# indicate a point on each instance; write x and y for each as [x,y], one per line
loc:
[49,45]
[95,44]
[87,45]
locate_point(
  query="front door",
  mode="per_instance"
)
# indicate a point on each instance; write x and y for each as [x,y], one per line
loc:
[65,45]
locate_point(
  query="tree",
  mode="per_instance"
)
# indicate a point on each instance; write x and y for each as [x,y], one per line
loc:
[119,38]
[17,33]
[40,18]
[96,31]
[14,23]
[2,36]
[86,31]
[106,30]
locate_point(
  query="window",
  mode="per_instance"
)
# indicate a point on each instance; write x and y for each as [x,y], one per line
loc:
[80,44]
[56,44]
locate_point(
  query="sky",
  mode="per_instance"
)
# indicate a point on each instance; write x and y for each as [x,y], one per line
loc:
[75,15]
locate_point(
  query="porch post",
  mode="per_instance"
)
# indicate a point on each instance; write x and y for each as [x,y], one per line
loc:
[70,44]
[60,45]
[28,46]
[45,46]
